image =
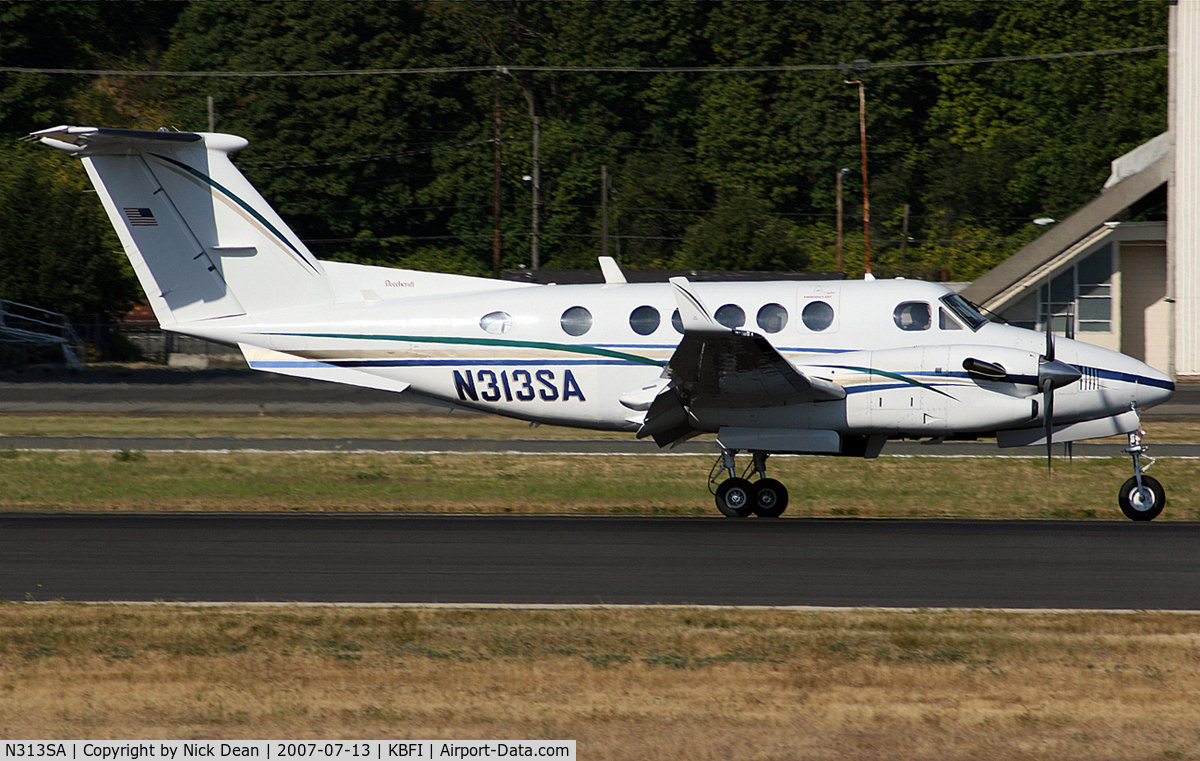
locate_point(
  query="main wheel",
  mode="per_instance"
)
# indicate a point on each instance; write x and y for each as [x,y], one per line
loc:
[1142,504]
[735,497]
[770,498]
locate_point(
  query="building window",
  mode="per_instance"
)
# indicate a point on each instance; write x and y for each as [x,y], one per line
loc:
[1094,276]
[1079,299]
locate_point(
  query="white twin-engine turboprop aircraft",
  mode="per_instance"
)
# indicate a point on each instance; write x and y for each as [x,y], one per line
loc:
[834,368]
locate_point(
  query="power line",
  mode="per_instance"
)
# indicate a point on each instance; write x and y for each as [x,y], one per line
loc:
[859,66]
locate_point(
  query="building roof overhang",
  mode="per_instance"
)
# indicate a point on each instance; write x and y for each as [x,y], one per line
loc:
[1070,238]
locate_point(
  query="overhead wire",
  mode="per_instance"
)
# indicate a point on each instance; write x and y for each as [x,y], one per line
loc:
[857,66]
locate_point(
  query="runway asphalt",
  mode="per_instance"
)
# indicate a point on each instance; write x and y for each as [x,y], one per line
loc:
[601,560]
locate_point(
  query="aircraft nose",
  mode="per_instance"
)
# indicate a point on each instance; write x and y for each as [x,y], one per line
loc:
[1153,387]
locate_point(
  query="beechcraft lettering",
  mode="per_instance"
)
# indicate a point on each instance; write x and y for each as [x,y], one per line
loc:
[835,368]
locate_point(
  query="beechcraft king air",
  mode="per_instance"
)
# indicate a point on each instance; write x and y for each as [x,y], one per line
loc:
[798,367]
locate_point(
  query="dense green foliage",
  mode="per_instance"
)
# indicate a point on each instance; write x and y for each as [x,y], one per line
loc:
[731,170]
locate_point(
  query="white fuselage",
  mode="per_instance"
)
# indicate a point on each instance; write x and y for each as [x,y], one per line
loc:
[532,352]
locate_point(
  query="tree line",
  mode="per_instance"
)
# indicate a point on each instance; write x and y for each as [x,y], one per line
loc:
[715,158]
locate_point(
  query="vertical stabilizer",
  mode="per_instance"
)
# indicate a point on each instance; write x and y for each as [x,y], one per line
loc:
[203,242]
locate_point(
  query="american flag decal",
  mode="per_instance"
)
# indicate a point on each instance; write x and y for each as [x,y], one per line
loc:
[140,217]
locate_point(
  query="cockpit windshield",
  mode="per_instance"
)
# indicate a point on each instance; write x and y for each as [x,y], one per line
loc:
[961,307]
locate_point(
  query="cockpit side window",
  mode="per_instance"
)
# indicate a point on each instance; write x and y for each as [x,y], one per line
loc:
[964,310]
[913,315]
[946,322]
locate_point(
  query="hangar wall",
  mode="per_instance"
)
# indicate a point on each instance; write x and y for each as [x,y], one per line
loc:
[1183,246]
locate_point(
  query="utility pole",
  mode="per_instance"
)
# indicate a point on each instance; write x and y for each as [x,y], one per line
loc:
[536,177]
[604,209]
[841,173]
[534,254]
[496,186]
[904,241]
[861,66]
[211,117]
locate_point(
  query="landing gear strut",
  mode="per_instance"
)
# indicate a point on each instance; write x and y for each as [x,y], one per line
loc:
[738,496]
[1141,498]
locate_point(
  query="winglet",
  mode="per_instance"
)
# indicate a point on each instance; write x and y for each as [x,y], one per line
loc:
[692,313]
[612,271]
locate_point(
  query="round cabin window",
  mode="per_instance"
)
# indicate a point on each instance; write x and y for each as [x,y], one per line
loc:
[576,321]
[644,320]
[772,318]
[817,316]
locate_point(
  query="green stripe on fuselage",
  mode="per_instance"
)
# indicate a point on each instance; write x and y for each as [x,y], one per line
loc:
[893,376]
[570,348]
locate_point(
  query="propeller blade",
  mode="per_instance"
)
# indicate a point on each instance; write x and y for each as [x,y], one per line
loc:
[1048,406]
[1049,328]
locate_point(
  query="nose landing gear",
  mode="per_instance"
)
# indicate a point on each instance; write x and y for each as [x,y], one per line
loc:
[738,497]
[1141,498]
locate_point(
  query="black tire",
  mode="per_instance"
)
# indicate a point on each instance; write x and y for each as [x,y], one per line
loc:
[1144,505]
[770,498]
[735,497]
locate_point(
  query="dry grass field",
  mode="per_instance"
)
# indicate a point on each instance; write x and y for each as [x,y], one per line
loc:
[687,683]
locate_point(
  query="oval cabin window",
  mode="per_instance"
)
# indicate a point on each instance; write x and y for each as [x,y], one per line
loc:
[644,320]
[772,318]
[576,321]
[913,315]
[496,323]
[731,316]
[817,316]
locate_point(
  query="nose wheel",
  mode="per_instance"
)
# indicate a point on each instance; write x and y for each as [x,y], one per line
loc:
[1141,498]
[738,496]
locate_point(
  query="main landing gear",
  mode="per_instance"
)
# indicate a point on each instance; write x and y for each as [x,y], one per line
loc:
[738,497]
[1141,498]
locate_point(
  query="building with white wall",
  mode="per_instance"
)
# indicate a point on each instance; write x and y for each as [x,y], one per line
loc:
[1133,287]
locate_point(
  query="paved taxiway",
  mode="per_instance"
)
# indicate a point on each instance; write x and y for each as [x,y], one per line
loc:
[614,560]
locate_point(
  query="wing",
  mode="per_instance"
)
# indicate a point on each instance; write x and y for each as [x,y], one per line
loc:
[716,367]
